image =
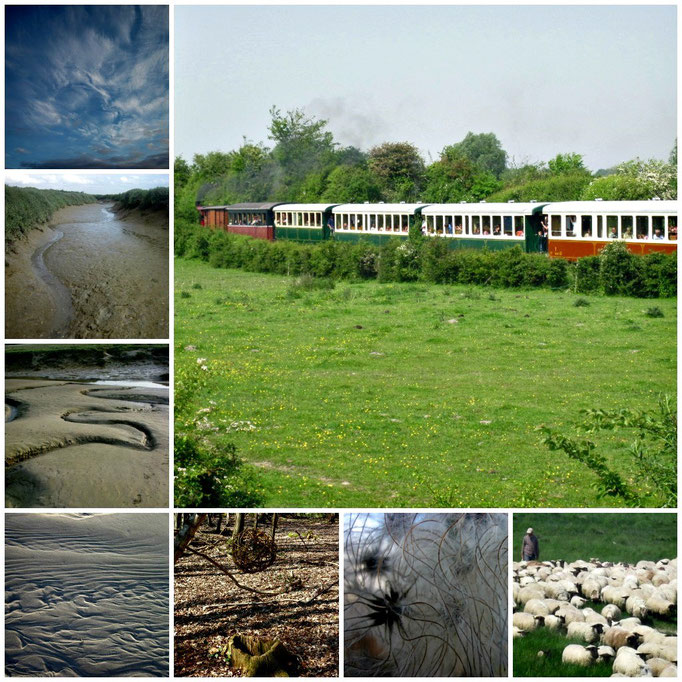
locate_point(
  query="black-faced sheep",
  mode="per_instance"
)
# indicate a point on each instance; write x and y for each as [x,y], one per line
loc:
[588,632]
[426,595]
[618,637]
[627,662]
[527,621]
[579,655]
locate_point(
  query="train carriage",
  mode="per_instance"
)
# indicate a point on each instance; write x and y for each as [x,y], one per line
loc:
[583,228]
[491,226]
[375,223]
[251,219]
[303,222]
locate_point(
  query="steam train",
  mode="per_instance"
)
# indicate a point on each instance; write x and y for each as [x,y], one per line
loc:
[567,229]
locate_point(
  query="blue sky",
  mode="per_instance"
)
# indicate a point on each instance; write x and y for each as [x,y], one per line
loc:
[546,79]
[91,183]
[86,86]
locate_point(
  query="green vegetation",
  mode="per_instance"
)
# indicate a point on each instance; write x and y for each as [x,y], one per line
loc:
[27,208]
[609,537]
[615,271]
[155,199]
[305,164]
[410,394]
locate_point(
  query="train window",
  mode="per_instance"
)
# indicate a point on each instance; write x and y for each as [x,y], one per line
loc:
[571,225]
[612,227]
[429,223]
[380,222]
[475,224]
[497,225]
[586,226]
[486,224]
[439,224]
[672,227]
[458,222]
[555,226]
[600,227]
[658,227]
[360,221]
[626,225]
[642,227]
[518,225]
[508,226]
[404,223]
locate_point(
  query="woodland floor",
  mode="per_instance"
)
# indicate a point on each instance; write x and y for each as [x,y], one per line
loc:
[210,608]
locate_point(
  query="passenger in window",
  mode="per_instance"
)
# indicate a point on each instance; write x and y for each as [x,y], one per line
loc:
[642,235]
[628,233]
[449,228]
[658,234]
[458,229]
[542,235]
[486,231]
[519,233]
[570,227]
[424,228]
[672,232]
[613,234]
[330,225]
[587,231]
[496,230]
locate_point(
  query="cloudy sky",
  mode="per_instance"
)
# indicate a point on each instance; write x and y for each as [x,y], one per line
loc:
[86,86]
[596,80]
[91,183]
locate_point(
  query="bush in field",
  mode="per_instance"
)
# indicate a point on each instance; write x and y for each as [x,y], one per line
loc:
[620,271]
[586,271]
[27,207]
[652,454]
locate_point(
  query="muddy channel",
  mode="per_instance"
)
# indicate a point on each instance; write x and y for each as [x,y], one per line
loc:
[90,274]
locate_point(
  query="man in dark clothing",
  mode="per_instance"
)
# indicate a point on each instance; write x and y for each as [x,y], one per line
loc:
[531,547]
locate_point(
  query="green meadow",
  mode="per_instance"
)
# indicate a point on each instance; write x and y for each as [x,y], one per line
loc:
[401,394]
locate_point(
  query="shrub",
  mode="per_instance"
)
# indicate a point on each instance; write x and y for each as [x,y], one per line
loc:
[581,302]
[586,272]
[654,312]
[620,272]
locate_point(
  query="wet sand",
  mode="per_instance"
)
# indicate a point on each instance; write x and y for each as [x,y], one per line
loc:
[86,595]
[85,445]
[90,275]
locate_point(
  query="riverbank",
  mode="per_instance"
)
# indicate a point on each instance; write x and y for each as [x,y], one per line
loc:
[104,276]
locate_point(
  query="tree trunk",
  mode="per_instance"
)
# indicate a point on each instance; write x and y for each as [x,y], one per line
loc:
[255,521]
[187,532]
[238,524]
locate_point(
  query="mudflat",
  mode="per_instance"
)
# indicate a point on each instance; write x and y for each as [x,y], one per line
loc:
[90,274]
[86,595]
[70,444]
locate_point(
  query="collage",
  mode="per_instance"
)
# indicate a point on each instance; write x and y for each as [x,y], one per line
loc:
[340,340]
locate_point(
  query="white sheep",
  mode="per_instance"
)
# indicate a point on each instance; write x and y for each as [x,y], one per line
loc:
[554,622]
[588,632]
[527,621]
[591,616]
[637,607]
[537,607]
[579,655]
[618,638]
[658,665]
[629,663]
[661,607]
[664,649]
[612,612]
[605,654]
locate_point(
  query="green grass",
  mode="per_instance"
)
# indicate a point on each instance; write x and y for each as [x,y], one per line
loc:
[374,394]
[609,537]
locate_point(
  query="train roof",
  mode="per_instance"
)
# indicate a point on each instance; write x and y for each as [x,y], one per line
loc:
[377,208]
[617,207]
[483,208]
[306,207]
[257,206]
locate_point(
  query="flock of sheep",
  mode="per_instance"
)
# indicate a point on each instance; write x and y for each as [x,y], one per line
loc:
[553,595]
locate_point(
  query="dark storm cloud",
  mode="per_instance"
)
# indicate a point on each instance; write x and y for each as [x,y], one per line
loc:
[87,85]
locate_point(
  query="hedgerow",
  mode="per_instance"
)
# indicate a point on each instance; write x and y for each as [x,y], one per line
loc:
[27,207]
[615,271]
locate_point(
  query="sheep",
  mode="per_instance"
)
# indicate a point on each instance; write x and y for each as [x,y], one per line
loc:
[579,655]
[605,654]
[668,592]
[615,595]
[629,623]
[670,671]
[629,663]
[536,607]
[554,622]
[589,632]
[578,602]
[525,594]
[661,607]
[611,612]
[637,607]
[658,665]
[591,616]
[570,614]
[426,595]
[517,633]
[617,638]
[659,650]
[527,621]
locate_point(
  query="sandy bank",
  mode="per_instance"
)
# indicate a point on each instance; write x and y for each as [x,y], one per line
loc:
[84,445]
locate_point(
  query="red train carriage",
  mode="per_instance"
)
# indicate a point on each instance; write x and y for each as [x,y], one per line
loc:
[252,219]
[583,228]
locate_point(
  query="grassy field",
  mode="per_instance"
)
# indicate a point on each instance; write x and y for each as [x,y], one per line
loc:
[374,394]
[609,537]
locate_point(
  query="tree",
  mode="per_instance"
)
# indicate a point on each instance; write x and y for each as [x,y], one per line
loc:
[212,166]
[398,169]
[484,150]
[351,184]
[302,145]
[567,164]
[181,172]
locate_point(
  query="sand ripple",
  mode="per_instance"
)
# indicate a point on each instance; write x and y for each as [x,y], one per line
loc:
[86,595]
